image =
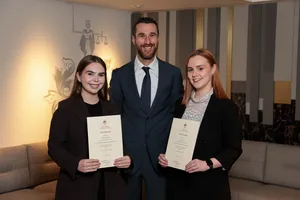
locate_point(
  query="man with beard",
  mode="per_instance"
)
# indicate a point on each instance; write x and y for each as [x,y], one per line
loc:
[146,90]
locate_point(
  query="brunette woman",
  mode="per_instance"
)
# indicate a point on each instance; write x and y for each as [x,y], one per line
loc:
[80,177]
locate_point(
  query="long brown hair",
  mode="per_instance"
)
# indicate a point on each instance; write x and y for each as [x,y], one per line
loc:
[83,63]
[216,82]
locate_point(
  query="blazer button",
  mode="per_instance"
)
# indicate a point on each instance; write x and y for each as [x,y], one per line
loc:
[204,142]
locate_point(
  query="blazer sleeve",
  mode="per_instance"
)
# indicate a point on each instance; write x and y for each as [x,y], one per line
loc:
[177,90]
[58,138]
[232,135]
[112,108]
[116,95]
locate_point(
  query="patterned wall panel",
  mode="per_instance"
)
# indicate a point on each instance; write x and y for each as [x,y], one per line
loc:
[297,72]
[200,13]
[266,82]
[253,59]
[162,25]
[295,48]
[240,35]
[224,48]
[185,37]
[284,41]
[265,70]
[134,18]
[172,37]
[213,31]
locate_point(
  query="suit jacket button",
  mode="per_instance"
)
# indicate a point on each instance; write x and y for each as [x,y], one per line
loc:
[204,142]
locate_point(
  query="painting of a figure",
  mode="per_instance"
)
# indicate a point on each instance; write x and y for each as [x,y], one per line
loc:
[87,41]
[63,80]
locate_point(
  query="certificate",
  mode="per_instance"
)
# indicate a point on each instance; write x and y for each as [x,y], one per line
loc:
[105,139]
[181,142]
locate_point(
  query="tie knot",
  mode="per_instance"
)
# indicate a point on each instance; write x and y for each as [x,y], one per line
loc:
[146,69]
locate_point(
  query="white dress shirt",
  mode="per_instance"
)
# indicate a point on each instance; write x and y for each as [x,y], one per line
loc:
[140,74]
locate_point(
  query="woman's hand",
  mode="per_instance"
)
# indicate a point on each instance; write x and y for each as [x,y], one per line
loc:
[88,165]
[196,165]
[162,160]
[123,162]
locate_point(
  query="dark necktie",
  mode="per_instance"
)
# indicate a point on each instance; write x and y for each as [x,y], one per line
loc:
[146,89]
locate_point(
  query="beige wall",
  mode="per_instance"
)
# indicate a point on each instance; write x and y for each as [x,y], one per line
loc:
[35,37]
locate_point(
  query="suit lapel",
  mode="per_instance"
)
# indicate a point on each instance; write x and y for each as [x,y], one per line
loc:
[209,112]
[80,109]
[104,107]
[132,81]
[179,110]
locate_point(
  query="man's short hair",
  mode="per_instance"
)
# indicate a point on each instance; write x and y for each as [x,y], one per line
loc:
[145,20]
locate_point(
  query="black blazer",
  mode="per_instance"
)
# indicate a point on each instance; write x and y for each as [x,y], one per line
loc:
[68,144]
[140,129]
[219,137]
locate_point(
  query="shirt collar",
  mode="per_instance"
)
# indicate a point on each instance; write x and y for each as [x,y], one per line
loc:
[203,98]
[153,66]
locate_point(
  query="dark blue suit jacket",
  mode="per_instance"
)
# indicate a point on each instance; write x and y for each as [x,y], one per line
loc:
[140,129]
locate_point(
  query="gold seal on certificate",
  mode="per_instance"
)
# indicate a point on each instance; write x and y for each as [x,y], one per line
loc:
[105,139]
[181,142]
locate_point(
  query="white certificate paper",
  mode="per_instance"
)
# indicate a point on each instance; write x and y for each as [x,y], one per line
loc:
[181,142]
[105,139]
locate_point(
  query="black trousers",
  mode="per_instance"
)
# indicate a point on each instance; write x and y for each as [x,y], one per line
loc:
[155,184]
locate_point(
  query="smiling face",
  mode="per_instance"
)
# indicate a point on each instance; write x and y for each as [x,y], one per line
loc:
[200,73]
[92,79]
[146,41]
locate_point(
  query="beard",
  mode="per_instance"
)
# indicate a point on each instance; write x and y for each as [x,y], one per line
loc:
[147,56]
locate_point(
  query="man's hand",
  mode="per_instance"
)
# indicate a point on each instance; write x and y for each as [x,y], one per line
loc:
[162,160]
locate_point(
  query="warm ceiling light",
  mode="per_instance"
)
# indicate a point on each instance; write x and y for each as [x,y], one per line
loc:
[254,1]
[139,5]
